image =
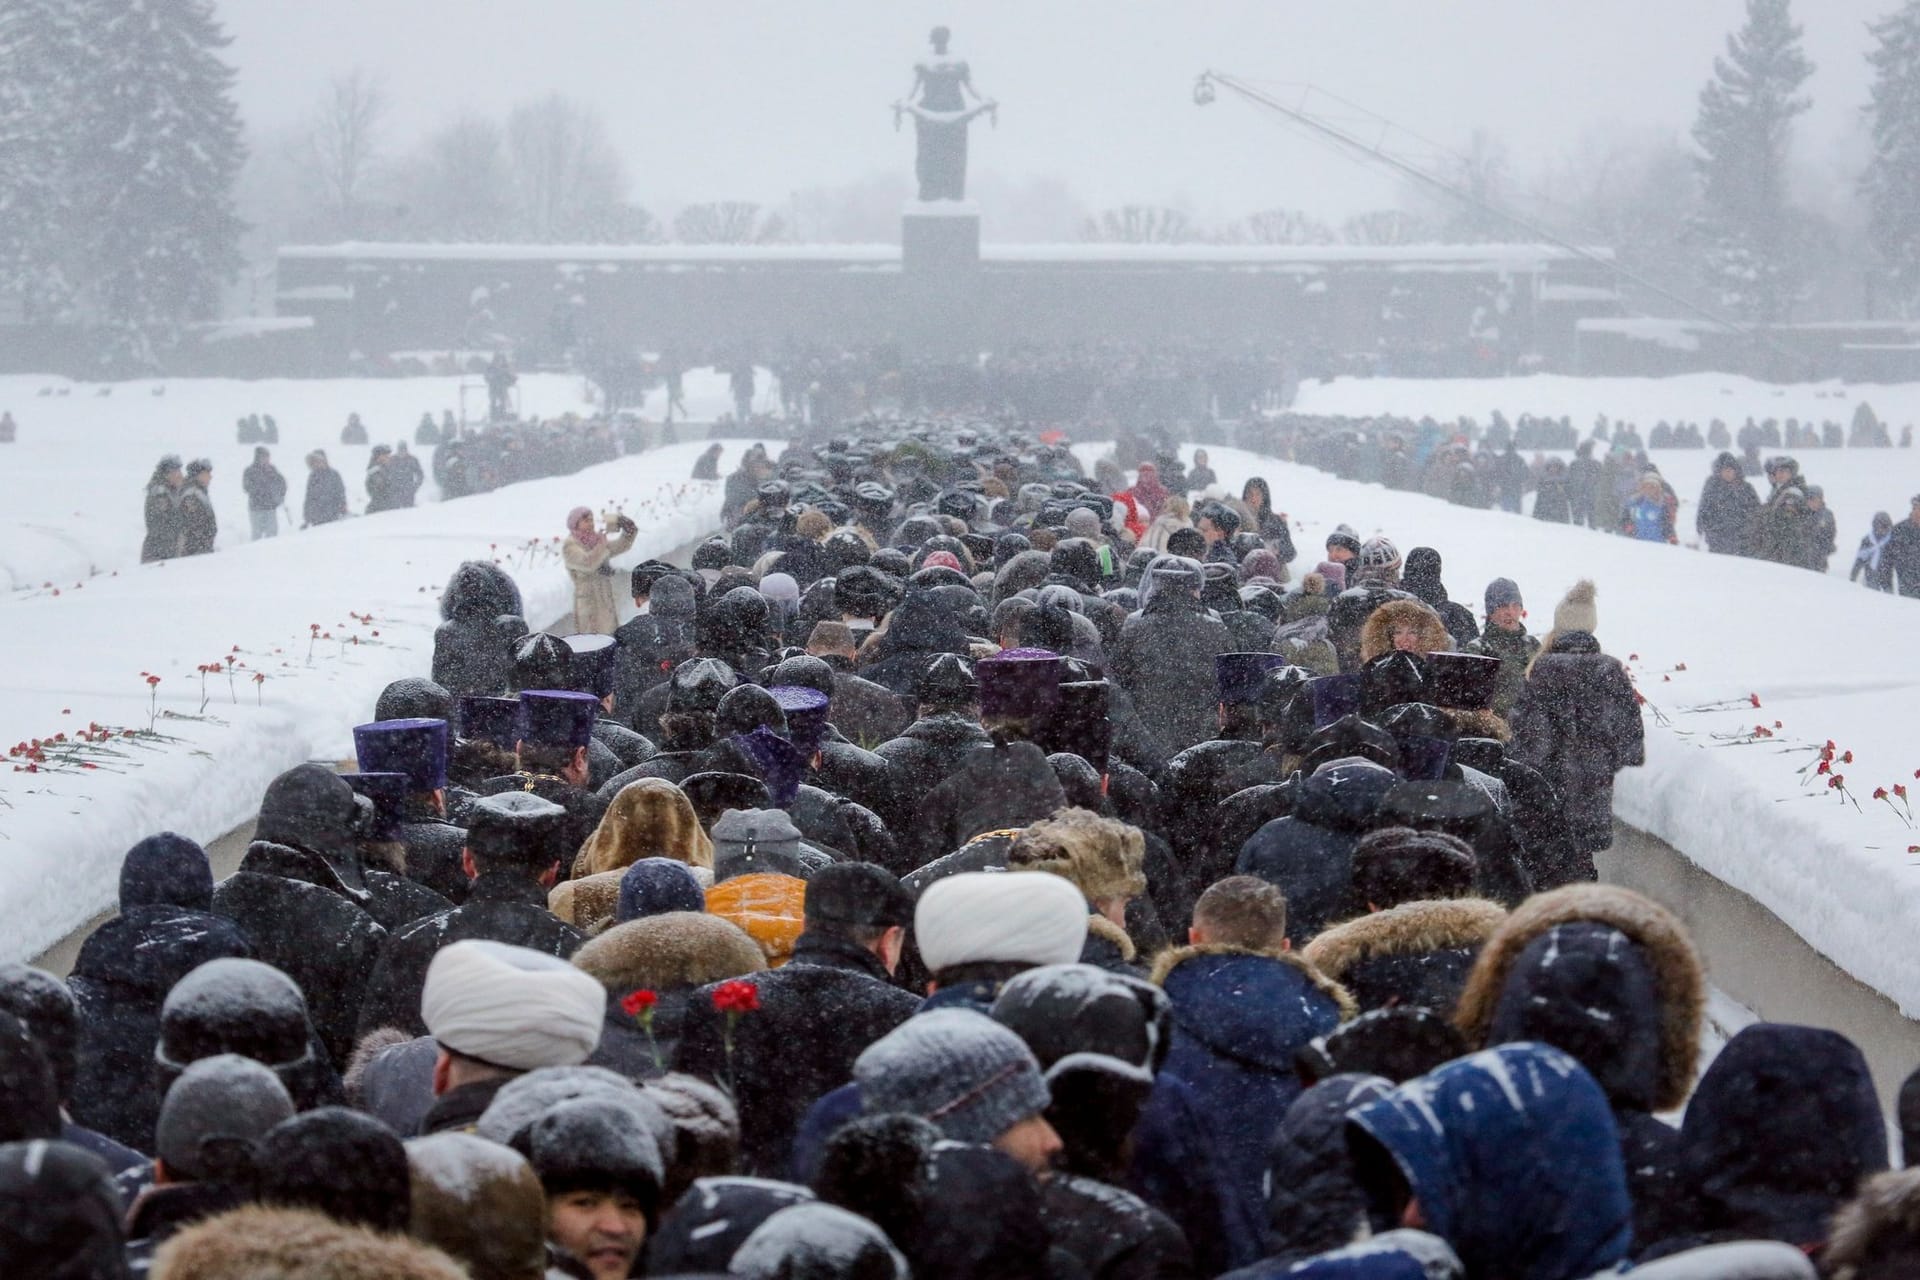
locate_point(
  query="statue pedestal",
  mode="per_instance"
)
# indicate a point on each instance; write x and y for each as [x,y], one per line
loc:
[939,236]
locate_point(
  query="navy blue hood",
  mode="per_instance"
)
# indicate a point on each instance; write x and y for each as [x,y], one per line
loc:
[1256,1009]
[1343,796]
[166,870]
[1589,989]
[1514,1158]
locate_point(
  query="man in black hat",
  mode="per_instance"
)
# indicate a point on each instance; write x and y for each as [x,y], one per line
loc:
[310,907]
[512,857]
[591,667]
[556,729]
[689,702]
[816,1014]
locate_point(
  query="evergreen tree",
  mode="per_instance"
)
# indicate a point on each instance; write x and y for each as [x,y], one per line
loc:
[1746,116]
[161,150]
[43,69]
[1892,180]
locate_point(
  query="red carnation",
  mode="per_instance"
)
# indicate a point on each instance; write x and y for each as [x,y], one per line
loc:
[153,680]
[736,997]
[1754,698]
[1879,793]
[1847,758]
[635,1003]
[1824,767]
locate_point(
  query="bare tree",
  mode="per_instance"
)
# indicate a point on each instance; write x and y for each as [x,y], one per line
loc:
[1277,226]
[1140,224]
[341,148]
[567,177]
[1386,227]
[727,222]
[458,184]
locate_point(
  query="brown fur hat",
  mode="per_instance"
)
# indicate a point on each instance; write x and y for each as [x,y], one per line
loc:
[294,1244]
[650,818]
[1658,932]
[1173,957]
[1877,1233]
[1408,929]
[1478,724]
[1103,858]
[661,953]
[1376,637]
[480,1202]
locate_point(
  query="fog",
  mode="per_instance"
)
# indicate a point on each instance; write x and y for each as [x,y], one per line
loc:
[716,101]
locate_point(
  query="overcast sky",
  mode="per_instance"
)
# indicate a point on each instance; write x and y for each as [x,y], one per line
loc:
[724,99]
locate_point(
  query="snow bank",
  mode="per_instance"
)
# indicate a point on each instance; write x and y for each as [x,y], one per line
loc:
[1825,659]
[80,657]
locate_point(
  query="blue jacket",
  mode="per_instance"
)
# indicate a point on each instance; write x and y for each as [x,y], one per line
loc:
[1238,1019]
[1309,854]
[1513,1157]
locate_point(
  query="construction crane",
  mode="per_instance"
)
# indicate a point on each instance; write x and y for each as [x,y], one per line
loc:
[1206,89]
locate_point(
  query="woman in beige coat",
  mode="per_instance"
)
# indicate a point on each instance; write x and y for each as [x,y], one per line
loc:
[587,552]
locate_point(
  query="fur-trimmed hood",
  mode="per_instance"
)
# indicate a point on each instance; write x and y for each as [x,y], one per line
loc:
[1173,957]
[1877,1226]
[1676,969]
[649,818]
[1376,637]
[1411,928]
[254,1242]
[678,949]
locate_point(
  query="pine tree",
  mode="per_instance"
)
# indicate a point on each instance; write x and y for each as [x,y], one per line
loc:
[1746,116]
[161,150]
[1892,180]
[43,68]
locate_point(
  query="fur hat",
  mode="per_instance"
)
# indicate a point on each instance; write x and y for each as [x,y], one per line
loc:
[649,818]
[1099,856]
[1877,1230]
[1376,636]
[661,953]
[1676,967]
[1575,612]
[480,1202]
[253,1242]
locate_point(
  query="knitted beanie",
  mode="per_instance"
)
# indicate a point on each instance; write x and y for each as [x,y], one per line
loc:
[1576,611]
[958,1068]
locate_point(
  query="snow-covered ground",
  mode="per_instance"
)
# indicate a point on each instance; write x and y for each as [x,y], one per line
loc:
[71,487]
[1705,637]
[328,617]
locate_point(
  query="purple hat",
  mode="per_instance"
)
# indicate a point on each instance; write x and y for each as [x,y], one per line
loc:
[495,720]
[417,748]
[806,711]
[1424,759]
[1334,697]
[782,765]
[1019,682]
[1335,574]
[591,664]
[557,717]
[1241,675]
[388,792]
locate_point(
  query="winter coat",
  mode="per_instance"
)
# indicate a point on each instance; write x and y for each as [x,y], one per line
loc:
[1309,853]
[867,713]
[198,525]
[1647,520]
[1871,571]
[1315,1202]
[1578,723]
[1164,660]
[471,649]
[1191,789]
[1552,502]
[930,750]
[500,907]
[918,631]
[1112,1234]
[1515,650]
[1784,531]
[305,922]
[326,499]
[647,654]
[1902,556]
[1416,953]
[1424,582]
[1238,1018]
[817,1014]
[163,523]
[596,607]
[1725,516]
[1163,527]
[992,788]
[266,487]
[120,980]
[1513,1157]
[1612,979]
[1779,1134]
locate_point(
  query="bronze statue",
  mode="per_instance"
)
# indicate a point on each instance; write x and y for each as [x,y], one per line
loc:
[939,105]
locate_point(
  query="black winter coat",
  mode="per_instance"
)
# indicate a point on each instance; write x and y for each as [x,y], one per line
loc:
[500,907]
[198,524]
[163,524]
[266,487]
[1164,659]
[326,499]
[1194,784]
[1725,515]
[867,713]
[993,788]
[929,750]
[471,657]
[1578,723]
[817,1014]
[1309,854]
[1314,1199]
[1112,1234]
[1902,557]
[119,981]
[647,654]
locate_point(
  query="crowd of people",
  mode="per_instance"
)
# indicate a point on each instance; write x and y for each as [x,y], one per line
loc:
[937,880]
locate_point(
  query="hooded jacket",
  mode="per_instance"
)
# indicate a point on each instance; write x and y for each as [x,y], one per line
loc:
[1513,1157]
[1376,636]
[1314,1202]
[1239,1017]
[1309,853]
[471,653]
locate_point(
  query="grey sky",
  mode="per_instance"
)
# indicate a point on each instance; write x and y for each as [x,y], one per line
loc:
[722,99]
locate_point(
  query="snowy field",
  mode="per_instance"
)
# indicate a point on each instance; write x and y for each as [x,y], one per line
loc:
[328,618]
[71,488]
[1719,648]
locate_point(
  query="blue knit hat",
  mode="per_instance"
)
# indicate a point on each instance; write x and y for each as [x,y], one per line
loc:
[655,886]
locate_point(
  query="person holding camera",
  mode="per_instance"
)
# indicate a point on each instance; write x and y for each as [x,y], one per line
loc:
[588,554]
